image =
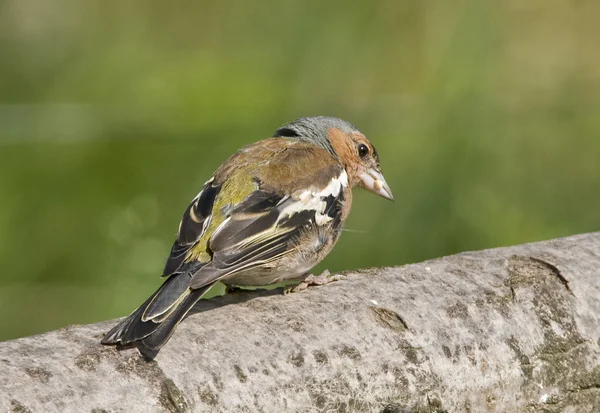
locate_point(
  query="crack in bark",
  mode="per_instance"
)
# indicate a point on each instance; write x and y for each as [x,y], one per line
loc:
[170,396]
[175,395]
[389,319]
[554,269]
[595,386]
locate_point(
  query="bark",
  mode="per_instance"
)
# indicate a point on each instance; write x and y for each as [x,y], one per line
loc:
[513,329]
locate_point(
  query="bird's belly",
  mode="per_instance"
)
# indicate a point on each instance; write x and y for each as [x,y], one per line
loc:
[288,268]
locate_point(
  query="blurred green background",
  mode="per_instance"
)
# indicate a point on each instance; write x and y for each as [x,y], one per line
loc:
[486,115]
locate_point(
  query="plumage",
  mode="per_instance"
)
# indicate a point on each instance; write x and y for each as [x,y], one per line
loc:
[271,212]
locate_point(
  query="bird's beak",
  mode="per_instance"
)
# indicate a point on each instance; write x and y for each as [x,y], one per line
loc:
[374,181]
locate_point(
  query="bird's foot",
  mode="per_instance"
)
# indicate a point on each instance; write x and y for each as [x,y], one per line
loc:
[324,278]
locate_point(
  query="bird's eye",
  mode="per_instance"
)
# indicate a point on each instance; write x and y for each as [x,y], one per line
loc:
[363,150]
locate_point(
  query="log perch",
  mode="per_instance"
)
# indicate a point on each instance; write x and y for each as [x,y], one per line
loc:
[513,329]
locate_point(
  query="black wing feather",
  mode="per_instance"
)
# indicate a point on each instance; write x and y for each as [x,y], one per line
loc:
[192,227]
[252,216]
[333,209]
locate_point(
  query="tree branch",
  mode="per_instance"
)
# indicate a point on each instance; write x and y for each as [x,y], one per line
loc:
[503,330]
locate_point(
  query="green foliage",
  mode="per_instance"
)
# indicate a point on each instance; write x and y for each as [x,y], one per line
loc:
[113,114]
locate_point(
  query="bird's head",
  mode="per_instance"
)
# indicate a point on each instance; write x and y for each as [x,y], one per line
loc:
[347,144]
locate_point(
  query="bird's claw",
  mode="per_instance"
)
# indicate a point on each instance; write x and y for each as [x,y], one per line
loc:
[324,278]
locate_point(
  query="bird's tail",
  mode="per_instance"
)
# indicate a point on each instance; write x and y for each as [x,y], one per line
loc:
[152,324]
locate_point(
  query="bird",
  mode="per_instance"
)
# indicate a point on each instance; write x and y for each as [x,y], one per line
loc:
[270,213]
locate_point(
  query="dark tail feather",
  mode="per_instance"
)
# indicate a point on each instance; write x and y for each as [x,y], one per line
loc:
[134,328]
[159,308]
[151,344]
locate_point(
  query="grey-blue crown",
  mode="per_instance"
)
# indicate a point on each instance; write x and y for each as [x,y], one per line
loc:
[314,129]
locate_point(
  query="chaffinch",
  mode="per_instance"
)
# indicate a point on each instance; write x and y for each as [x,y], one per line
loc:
[270,213]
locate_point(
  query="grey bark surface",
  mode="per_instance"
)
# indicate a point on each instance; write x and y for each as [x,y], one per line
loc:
[512,329]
